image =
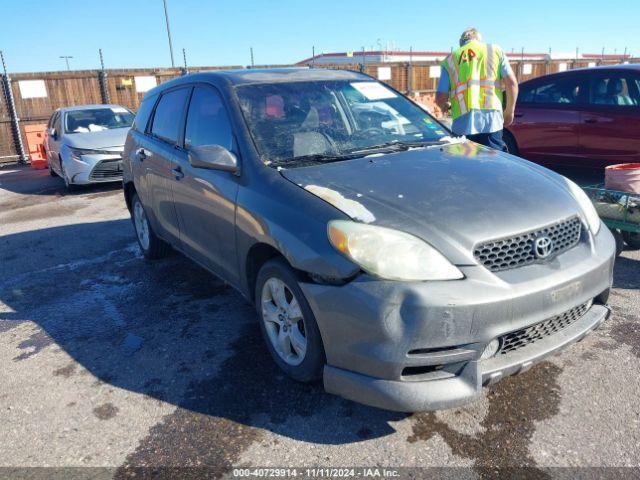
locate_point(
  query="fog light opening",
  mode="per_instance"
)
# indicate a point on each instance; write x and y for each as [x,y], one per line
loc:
[491,349]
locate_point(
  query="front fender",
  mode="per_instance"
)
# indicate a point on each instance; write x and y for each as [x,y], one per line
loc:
[292,221]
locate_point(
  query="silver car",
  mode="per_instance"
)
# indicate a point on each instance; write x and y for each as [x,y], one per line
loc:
[84,144]
[404,267]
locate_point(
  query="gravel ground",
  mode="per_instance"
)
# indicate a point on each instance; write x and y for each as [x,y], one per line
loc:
[112,361]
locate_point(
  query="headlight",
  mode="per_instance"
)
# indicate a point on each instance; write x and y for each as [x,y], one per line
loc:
[589,211]
[76,153]
[390,254]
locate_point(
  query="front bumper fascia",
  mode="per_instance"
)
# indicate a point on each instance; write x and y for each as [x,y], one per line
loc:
[452,392]
[79,172]
[369,326]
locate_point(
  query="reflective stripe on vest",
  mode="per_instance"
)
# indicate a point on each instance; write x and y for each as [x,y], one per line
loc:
[459,96]
[474,78]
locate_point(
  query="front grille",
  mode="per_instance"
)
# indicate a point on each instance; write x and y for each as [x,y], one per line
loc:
[517,251]
[526,336]
[107,169]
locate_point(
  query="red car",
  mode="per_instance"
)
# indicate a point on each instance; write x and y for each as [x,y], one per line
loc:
[587,117]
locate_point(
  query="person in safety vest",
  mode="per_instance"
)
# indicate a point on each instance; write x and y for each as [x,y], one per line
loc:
[470,86]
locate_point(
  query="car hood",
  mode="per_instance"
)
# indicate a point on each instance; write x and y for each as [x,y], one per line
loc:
[452,196]
[97,140]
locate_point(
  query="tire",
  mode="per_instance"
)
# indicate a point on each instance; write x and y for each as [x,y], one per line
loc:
[68,185]
[510,142]
[152,246]
[632,239]
[294,324]
[619,241]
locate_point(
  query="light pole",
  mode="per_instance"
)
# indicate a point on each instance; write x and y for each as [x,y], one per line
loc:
[66,59]
[166,18]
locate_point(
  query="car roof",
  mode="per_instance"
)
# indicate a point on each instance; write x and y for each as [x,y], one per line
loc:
[88,107]
[626,66]
[264,75]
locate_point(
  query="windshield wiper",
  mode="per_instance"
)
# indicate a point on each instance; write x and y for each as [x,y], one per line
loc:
[314,158]
[394,146]
[387,147]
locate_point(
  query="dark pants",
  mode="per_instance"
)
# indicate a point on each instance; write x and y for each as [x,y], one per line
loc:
[492,140]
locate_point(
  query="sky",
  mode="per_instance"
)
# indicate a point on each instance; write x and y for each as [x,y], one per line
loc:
[132,33]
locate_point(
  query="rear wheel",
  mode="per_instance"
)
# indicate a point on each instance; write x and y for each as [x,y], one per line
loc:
[632,239]
[287,323]
[51,172]
[151,245]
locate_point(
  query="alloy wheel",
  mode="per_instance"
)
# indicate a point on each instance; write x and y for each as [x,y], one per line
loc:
[142,225]
[283,321]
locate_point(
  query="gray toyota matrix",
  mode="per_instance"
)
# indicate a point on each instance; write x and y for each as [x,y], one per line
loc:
[404,267]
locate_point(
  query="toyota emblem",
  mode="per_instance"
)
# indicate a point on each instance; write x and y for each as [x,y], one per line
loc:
[542,246]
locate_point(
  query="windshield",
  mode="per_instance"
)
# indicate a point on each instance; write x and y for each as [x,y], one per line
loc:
[291,122]
[97,119]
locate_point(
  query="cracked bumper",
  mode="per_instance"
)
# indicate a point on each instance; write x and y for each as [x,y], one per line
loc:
[448,393]
[376,333]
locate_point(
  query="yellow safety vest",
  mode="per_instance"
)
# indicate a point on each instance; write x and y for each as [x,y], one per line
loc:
[475,79]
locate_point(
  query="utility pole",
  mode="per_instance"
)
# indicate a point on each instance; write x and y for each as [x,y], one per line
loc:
[66,59]
[102,77]
[313,56]
[410,72]
[166,18]
[13,114]
[251,52]
[185,70]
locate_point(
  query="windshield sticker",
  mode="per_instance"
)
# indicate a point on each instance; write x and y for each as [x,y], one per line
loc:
[373,90]
[427,120]
[440,132]
[118,110]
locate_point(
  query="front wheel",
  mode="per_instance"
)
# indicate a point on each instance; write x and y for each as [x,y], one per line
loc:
[617,235]
[69,186]
[632,239]
[151,245]
[510,142]
[287,322]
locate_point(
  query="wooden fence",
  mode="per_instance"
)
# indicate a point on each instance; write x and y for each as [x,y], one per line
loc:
[36,100]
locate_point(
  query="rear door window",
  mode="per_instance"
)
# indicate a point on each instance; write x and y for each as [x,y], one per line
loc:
[207,120]
[167,120]
[615,90]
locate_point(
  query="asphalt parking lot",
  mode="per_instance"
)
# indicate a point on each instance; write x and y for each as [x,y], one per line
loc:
[109,360]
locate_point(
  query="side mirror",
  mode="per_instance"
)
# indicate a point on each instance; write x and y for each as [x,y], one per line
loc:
[213,157]
[52,133]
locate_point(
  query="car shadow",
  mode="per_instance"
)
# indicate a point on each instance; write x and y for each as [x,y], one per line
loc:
[27,181]
[166,329]
[625,273]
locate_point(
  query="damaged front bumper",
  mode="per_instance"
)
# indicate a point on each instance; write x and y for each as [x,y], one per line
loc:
[416,346]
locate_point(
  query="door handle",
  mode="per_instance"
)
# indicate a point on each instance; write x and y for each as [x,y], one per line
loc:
[141,154]
[177,172]
[590,120]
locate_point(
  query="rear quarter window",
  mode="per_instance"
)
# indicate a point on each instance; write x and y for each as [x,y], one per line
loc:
[144,112]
